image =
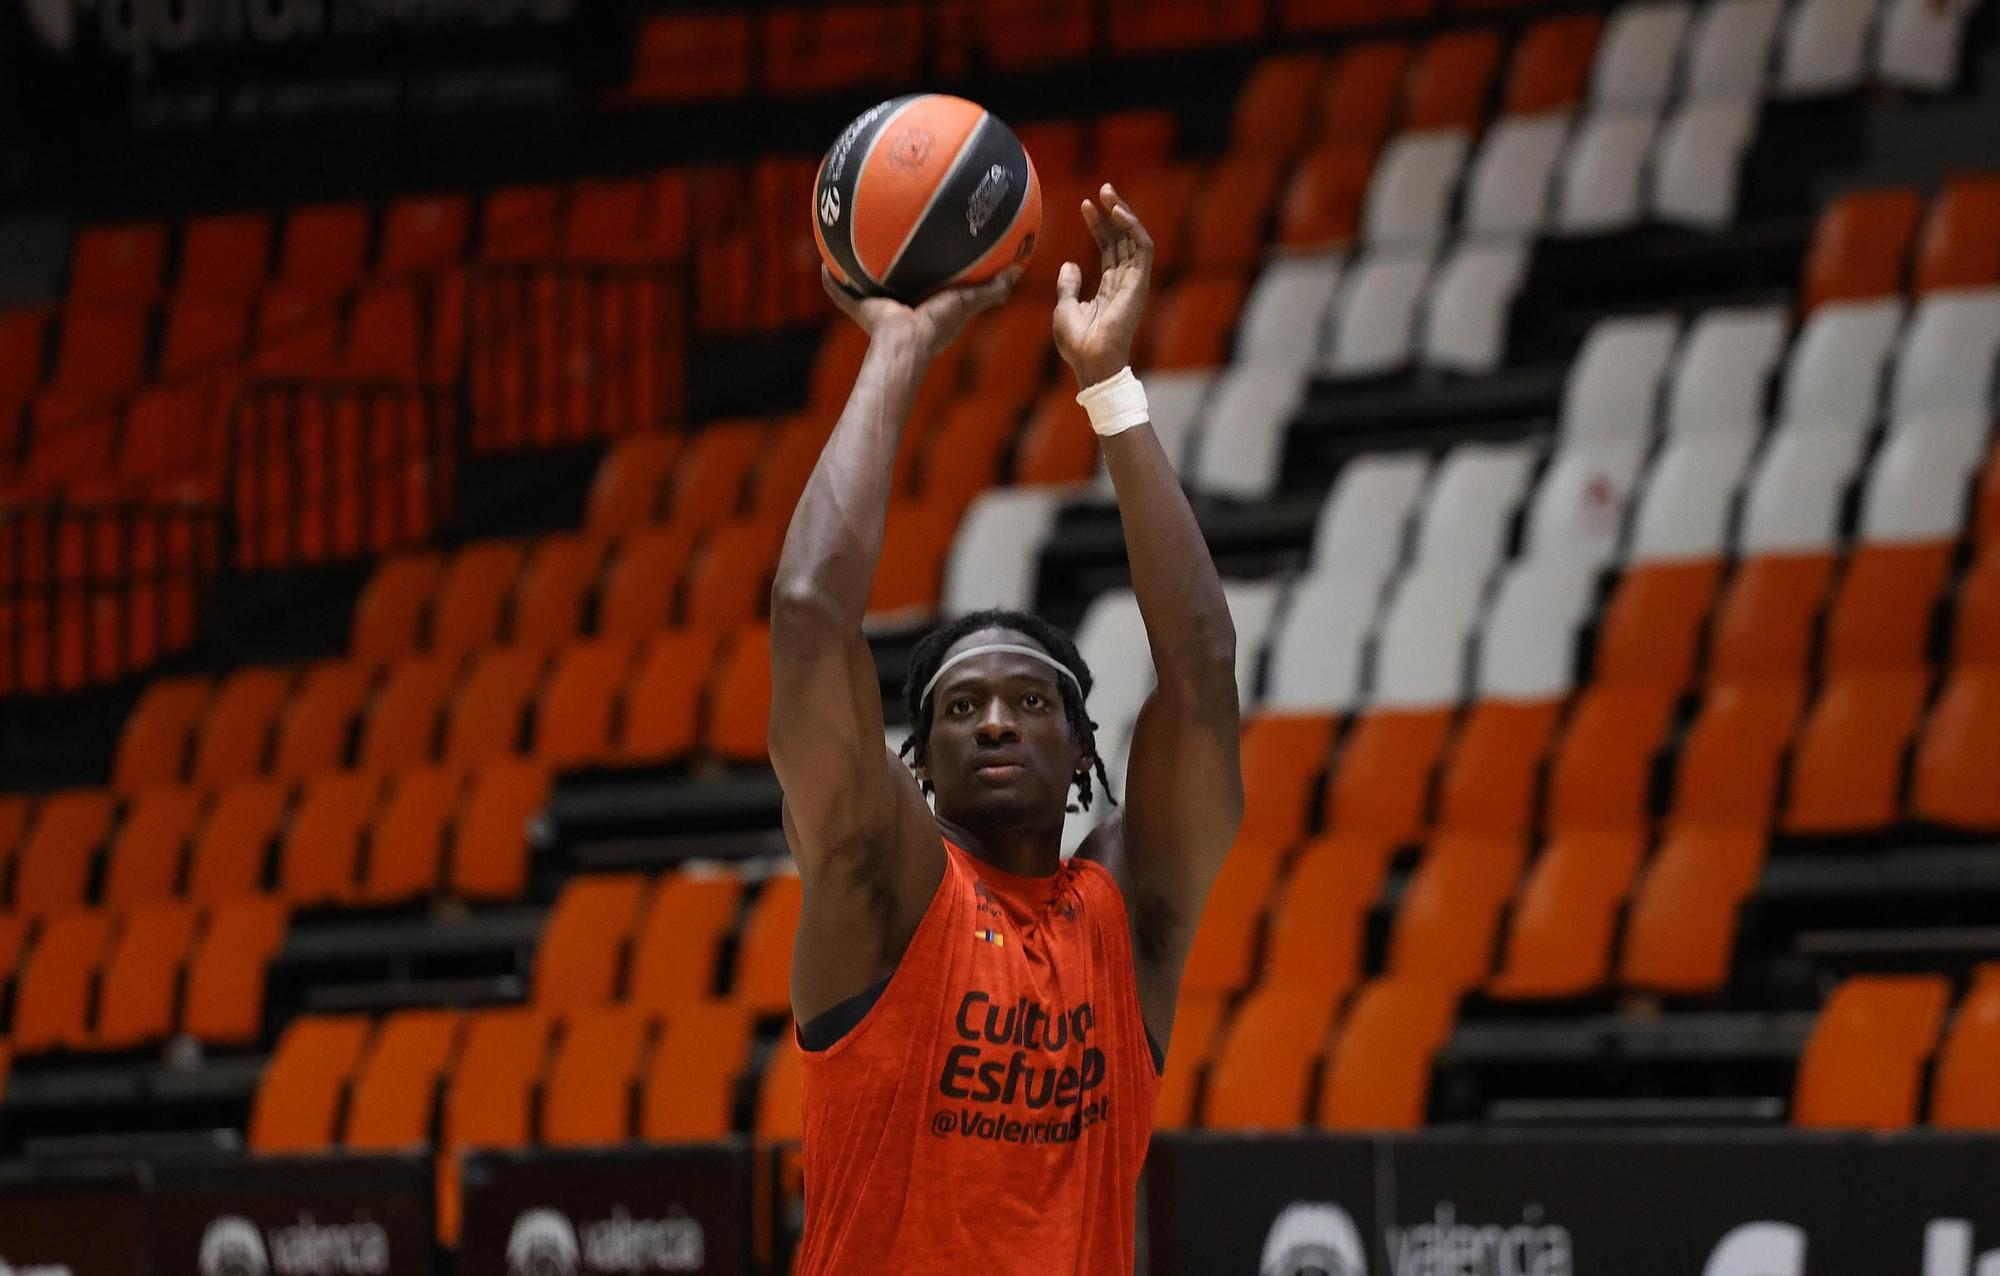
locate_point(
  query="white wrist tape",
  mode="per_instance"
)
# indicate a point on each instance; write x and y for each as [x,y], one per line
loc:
[1115,404]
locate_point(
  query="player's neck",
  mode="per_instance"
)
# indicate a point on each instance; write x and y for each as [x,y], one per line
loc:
[1024,852]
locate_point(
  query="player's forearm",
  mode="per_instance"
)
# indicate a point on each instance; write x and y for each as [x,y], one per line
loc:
[835,539]
[1180,595]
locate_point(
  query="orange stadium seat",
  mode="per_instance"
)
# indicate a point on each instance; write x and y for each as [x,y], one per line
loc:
[402,726]
[555,589]
[1449,82]
[1764,620]
[236,729]
[1963,1096]
[1026,35]
[74,436]
[489,858]
[915,543]
[1196,1020]
[1959,247]
[1449,916]
[708,483]
[153,747]
[1860,245]
[423,232]
[678,944]
[1321,209]
[1381,781]
[838,362]
[1975,633]
[1056,444]
[52,994]
[394,1099]
[1653,624]
[1274,107]
[232,850]
[1730,757]
[1141,137]
[780,1113]
[1882,610]
[1056,145]
[689,57]
[1954,766]
[1197,317]
[151,844]
[385,339]
[1147,26]
[1551,66]
[1682,925]
[203,334]
[1266,1062]
[1221,957]
[729,581]
[472,596]
[325,248]
[135,1000]
[641,583]
[580,702]
[123,263]
[1064,237]
[1600,774]
[297,334]
[602,223]
[102,352]
[1163,197]
[1559,940]
[520,223]
[1284,758]
[1379,1071]
[52,869]
[1489,783]
[225,256]
[663,705]
[24,334]
[1863,1065]
[584,943]
[390,615]
[299,1096]
[1226,230]
[316,729]
[788,464]
[691,1080]
[491,1100]
[627,491]
[740,698]
[488,714]
[1847,769]
[763,983]
[405,859]
[1362,88]
[593,1081]
[1011,356]
[16,812]
[820,49]
[319,862]
[1317,922]
[961,460]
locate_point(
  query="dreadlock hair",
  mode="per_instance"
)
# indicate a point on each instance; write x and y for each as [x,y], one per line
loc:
[929,654]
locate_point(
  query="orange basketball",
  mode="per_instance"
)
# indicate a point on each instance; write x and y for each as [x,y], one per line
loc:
[924,192]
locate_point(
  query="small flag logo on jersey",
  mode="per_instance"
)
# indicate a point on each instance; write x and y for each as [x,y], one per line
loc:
[992,937]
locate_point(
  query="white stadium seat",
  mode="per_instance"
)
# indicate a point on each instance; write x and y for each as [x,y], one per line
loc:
[1174,402]
[1507,192]
[1375,315]
[1796,494]
[1242,440]
[1613,387]
[1919,483]
[1959,434]
[1834,378]
[1637,56]
[1469,508]
[1409,197]
[1730,46]
[1465,323]
[1286,311]
[1419,654]
[1527,650]
[1949,353]
[1578,510]
[1699,163]
[1111,638]
[1316,652]
[997,552]
[1724,372]
[1364,523]
[1690,492]
[1599,186]
[1918,43]
[1822,48]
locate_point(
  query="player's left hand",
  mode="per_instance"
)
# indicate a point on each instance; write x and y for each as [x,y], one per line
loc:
[1095,336]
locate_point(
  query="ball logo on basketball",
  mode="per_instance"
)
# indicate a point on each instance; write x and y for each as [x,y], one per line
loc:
[923,193]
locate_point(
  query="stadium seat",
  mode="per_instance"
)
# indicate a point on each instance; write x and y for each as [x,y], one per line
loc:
[52,992]
[489,859]
[1378,1072]
[1447,920]
[1488,783]
[1764,618]
[579,703]
[640,584]
[1316,657]
[153,747]
[299,1096]
[1374,331]
[232,849]
[1320,210]
[693,57]
[1361,92]
[1409,196]
[1730,755]
[1194,321]
[1698,163]
[386,338]
[225,256]
[472,596]
[1963,1096]
[423,232]
[1274,107]
[593,1081]
[583,945]
[1860,246]
[1381,779]
[763,982]
[1958,247]
[297,334]
[1550,70]
[315,730]
[1511,178]
[1847,766]
[203,336]
[1650,630]
[1953,761]
[1471,501]
[135,996]
[1862,1067]
[236,727]
[1056,446]
[1465,324]
[1285,311]
[121,264]
[1450,80]
[707,486]
[1261,1073]
[1724,368]
[555,589]
[915,542]
[325,249]
[392,1106]
[663,705]
[1315,937]
[487,715]
[1975,634]
[319,862]
[1420,650]
[1284,757]
[102,353]
[1729,47]
[1948,354]
[1681,929]
[780,1112]
[390,615]
[520,223]
[1026,35]
[52,868]
[729,579]
[1226,225]
[1638,54]
[1820,48]
[626,492]
[402,726]
[1599,187]
[1196,1019]
[1559,937]
[1917,45]
[1221,959]
[691,1080]
[405,860]
[1254,406]
[490,1102]
[1600,774]
[677,946]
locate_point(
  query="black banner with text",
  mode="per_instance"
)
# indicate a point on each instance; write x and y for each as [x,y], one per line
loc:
[369,1216]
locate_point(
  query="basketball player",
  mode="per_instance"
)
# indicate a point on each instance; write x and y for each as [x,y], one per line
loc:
[983,1023]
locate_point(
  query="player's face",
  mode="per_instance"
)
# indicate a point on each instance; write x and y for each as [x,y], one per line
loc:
[1001,750]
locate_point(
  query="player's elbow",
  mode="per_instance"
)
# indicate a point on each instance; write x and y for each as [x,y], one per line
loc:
[802,609]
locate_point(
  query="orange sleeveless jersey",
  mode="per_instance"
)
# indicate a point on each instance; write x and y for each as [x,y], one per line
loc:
[990,1113]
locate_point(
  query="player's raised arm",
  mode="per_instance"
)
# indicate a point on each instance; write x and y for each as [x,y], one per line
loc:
[1184,783]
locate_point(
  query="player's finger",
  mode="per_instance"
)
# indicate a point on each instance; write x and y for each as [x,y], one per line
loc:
[1129,222]
[1100,231]
[1069,282]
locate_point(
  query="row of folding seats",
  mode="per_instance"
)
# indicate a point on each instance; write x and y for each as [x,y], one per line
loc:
[1883,1041]
[131,975]
[1870,244]
[339,839]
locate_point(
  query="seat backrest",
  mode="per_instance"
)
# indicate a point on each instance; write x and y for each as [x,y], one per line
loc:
[1860,246]
[690,1083]
[135,1001]
[1963,1096]
[1378,1077]
[579,702]
[677,948]
[149,850]
[1861,1067]
[314,731]
[237,726]
[472,596]
[395,1086]
[225,256]
[52,997]
[1551,66]
[489,858]
[325,247]
[52,870]
[402,726]
[764,958]
[232,850]
[488,712]
[298,1098]
[582,950]
[1959,247]
[152,749]
[593,1082]
[421,232]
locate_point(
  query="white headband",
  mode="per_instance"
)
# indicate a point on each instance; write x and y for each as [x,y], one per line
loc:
[1016,649]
